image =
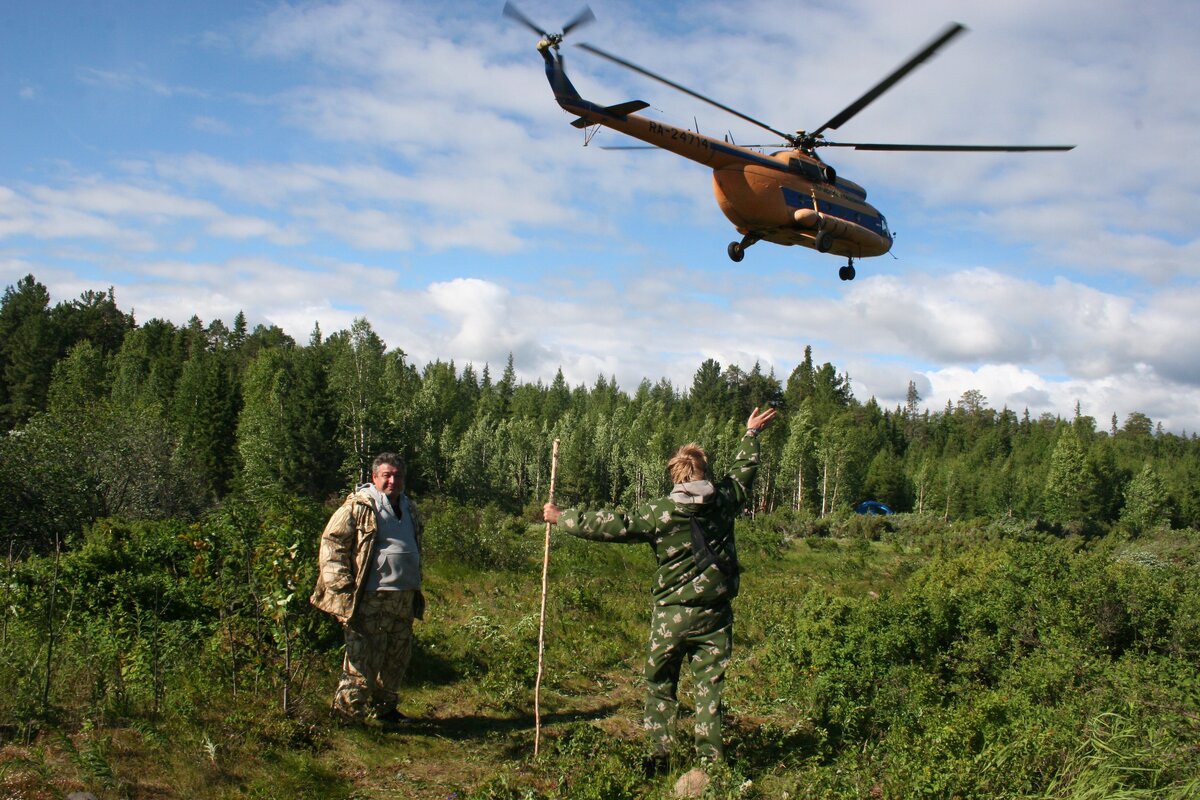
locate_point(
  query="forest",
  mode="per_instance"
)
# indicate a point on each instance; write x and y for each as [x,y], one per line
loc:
[159,421]
[1025,626]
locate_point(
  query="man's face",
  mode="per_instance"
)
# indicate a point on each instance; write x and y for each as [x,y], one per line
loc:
[388,481]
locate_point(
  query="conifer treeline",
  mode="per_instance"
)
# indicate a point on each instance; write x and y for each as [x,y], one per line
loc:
[108,417]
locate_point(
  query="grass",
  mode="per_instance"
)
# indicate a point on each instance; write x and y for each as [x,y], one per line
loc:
[832,692]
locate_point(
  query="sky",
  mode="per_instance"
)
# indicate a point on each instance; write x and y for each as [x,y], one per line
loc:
[311,163]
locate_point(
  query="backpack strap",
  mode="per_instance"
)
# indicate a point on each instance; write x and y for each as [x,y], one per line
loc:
[705,556]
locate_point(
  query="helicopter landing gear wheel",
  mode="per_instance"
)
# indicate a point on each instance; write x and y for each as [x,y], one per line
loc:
[824,241]
[737,250]
[846,273]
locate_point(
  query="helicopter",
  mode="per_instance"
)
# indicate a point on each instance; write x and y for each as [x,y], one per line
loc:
[788,197]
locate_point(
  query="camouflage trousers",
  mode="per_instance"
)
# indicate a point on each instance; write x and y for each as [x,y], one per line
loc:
[378,648]
[702,635]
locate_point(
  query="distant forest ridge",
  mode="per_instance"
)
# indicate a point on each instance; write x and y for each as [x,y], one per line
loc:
[107,417]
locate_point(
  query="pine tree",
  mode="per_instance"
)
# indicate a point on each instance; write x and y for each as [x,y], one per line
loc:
[708,397]
[557,400]
[28,349]
[93,317]
[800,382]
[506,386]
[885,482]
[912,399]
[1066,497]
[761,391]
[205,417]
[1147,505]
[237,336]
[146,368]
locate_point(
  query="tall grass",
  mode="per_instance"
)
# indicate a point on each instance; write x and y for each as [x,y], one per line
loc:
[892,659]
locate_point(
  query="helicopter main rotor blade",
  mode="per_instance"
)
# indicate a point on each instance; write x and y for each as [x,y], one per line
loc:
[953,148]
[582,18]
[858,105]
[629,65]
[512,12]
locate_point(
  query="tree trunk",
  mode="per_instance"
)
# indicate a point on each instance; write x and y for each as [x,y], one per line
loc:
[837,482]
[50,624]
[824,484]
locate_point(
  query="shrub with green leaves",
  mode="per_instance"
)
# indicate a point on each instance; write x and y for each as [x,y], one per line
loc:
[993,664]
[475,537]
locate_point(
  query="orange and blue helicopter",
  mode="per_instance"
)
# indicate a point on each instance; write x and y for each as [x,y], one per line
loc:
[788,197]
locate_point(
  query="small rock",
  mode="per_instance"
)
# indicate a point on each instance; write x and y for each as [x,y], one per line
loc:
[691,783]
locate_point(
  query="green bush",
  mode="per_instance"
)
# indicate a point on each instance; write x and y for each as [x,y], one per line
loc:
[978,659]
[766,534]
[997,656]
[476,537]
[869,527]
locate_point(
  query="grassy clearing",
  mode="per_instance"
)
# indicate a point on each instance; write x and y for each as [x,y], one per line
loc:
[983,661]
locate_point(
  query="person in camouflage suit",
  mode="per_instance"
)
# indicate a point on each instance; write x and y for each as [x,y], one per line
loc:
[691,532]
[369,579]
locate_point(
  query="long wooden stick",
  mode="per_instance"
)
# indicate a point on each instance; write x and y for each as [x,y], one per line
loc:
[537,686]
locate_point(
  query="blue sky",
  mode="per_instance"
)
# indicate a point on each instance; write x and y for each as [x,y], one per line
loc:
[317,162]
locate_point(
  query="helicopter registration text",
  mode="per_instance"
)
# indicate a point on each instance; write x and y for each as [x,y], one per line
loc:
[675,133]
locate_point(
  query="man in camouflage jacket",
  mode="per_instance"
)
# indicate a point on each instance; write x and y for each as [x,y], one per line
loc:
[369,579]
[691,531]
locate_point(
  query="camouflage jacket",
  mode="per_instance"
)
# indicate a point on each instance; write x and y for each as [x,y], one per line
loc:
[684,577]
[345,557]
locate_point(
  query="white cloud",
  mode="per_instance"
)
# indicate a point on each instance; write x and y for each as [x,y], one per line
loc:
[407,163]
[212,125]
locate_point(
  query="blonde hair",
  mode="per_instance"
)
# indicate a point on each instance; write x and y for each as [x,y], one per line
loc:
[688,463]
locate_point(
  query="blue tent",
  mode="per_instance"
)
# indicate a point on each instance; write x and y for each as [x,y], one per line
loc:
[872,507]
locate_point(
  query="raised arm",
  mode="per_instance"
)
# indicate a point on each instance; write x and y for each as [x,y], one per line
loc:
[607,525]
[758,421]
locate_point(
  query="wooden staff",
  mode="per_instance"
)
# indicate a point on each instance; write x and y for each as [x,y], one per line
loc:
[537,686]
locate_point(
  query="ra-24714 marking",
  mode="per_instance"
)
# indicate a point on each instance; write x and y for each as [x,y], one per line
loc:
[675,133]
